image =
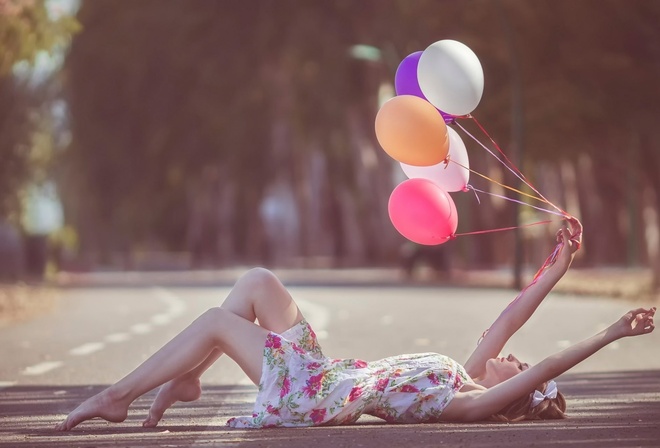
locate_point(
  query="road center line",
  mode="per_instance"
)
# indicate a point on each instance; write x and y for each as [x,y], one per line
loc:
[141,328]
[42,367]
[161,319]
[86,349]
[175,306]
[117,337]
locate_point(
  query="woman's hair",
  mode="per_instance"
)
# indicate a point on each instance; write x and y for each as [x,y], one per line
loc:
[521,409]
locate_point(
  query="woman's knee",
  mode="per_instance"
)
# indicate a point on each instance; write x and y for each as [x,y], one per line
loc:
[215,314]
[218,319]
[260,278]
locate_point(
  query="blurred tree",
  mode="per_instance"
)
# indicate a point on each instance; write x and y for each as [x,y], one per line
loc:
[194,112]
[25,30]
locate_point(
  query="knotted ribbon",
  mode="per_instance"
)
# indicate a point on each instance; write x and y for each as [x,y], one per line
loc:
[550,392]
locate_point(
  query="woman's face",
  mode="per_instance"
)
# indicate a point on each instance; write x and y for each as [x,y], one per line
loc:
[501,369]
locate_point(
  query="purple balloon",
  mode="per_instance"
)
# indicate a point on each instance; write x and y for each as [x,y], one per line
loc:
[448,118]
[405,81]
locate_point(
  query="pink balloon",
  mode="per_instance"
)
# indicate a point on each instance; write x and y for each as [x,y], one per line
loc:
[423,212]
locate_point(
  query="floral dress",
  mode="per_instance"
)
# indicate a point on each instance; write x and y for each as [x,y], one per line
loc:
[301,387]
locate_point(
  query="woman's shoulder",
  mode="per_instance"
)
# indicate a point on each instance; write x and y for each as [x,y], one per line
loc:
[462,404]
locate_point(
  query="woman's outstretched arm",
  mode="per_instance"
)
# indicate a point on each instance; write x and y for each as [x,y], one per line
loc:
[521,309]
[480,404]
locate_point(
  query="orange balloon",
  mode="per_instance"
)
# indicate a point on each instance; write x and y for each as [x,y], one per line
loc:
[412,131]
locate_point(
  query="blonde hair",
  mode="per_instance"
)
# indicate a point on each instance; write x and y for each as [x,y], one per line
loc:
[521,409]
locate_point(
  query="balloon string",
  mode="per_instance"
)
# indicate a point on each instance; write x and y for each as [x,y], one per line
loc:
[511,165]
[502,229]
[499,160]
[500,184]
[516,201]
[548,262]
[474,190]
[553,256]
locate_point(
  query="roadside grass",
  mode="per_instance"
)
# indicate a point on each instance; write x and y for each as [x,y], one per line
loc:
[21,301]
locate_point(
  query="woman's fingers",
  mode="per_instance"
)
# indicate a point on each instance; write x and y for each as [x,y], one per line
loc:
[566,237]
[637,311]
[575,233]
[576,226]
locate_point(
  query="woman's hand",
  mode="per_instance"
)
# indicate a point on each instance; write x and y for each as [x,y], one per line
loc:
[635,323]
[576,233]
[570,246]
[572,238]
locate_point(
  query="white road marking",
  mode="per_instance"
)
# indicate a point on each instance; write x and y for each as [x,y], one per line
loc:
[5,384]
[87,349]
[175,305]
[42,367]
[161,319]
[117,337]
[141,328]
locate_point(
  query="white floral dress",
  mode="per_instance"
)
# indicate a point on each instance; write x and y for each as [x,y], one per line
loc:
[301,387]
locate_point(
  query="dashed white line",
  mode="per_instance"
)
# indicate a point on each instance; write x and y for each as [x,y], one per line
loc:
[87,349]
[141,328]
[161,319]
[117,337]
[41,368]
[176,306]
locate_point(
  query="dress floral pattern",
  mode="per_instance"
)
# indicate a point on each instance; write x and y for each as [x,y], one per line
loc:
[301,387]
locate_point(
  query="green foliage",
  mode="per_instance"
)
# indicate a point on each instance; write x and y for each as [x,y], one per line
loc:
[26,30]
[25,149]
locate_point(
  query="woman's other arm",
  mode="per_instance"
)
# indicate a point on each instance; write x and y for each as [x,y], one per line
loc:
[521,309]
[480,404]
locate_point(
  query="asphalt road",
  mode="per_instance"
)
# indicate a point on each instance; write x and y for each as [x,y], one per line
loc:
[97,334]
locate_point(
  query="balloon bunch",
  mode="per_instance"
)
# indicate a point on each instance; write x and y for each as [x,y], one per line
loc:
[433,87]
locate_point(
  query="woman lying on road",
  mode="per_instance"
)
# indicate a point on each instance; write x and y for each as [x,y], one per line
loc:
[299,386]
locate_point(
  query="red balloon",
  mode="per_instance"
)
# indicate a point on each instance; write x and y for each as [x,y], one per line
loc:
[423,212]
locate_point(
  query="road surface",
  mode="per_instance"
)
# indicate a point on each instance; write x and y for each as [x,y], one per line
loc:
[96,335]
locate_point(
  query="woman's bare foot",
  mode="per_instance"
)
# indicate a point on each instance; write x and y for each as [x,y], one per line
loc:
[106,405]
[179,389]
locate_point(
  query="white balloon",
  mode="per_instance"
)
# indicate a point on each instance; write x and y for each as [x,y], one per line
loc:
[451,77]
[450,177]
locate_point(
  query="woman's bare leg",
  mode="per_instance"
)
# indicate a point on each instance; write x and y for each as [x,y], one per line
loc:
[258,294]
[218,328]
